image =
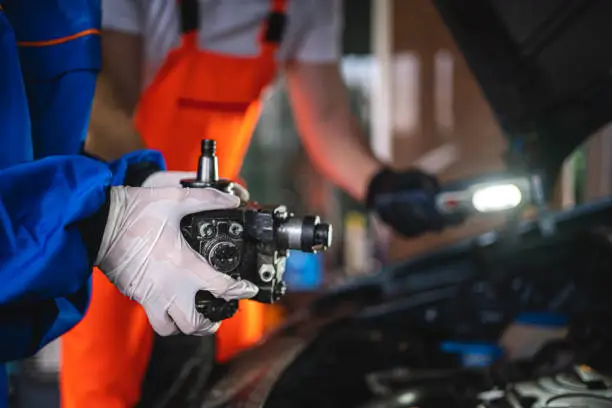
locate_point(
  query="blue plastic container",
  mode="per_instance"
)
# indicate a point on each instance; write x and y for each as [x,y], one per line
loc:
[473,354]
[304,271]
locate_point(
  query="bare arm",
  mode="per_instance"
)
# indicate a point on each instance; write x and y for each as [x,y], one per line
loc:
[111,130]
[330,132]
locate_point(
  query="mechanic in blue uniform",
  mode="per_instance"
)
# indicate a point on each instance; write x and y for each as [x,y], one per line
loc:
[63,214]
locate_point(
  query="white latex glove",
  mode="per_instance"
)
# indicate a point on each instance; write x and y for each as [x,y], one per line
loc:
[145,255]
[162,179]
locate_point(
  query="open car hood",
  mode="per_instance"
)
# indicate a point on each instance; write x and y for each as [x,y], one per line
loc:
[545,68]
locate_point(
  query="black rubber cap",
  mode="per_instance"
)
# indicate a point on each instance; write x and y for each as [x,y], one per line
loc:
[323,235]
[209,147]
[214,309]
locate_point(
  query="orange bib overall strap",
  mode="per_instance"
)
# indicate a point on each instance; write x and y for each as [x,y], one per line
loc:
[204,94]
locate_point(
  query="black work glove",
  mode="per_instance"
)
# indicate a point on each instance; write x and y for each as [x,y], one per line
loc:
[406,201]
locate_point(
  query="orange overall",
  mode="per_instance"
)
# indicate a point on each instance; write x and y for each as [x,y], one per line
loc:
[196,94]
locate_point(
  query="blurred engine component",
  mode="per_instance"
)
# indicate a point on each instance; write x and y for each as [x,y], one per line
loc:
[557,377]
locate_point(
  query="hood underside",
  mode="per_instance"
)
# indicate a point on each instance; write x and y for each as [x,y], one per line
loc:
[545,68]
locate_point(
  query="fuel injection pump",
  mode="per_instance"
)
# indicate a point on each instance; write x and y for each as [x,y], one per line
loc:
[249,242]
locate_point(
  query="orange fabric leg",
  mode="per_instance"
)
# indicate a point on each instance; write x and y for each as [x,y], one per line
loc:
[243,330]
[105,356]
[246,328]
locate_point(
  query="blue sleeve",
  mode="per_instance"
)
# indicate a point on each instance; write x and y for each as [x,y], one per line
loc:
[43,260]
[44,263]
[15,141]
[59,49]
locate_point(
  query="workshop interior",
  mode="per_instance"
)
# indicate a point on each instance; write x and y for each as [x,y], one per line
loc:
[508,102]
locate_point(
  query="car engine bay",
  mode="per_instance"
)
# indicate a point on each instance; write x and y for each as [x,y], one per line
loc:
[377,342]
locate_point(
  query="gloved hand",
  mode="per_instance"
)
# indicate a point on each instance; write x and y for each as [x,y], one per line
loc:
[145,255]
[406,201]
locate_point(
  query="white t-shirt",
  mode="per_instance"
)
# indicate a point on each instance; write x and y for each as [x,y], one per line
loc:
[312,34]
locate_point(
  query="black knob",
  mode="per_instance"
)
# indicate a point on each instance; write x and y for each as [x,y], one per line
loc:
[215,309]
[209,147]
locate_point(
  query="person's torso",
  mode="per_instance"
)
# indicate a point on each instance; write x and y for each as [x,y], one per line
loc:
[207,83]
[228,27]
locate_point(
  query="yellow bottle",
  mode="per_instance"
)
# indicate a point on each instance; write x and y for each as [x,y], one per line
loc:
[357,248]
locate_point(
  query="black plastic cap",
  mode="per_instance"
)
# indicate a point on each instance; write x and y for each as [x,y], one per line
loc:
[323,235]
[209,147]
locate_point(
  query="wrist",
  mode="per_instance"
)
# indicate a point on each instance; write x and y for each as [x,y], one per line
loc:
[366,174]
[138,173]
[93,227]
[115,210]
[134,168]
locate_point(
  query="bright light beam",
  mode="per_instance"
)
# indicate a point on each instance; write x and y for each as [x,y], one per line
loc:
[494,198]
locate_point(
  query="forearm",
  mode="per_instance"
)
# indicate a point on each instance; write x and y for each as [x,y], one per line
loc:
[111,132]
[52,215]
[338,147]
[331,133]
[45,257]
[41,246]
